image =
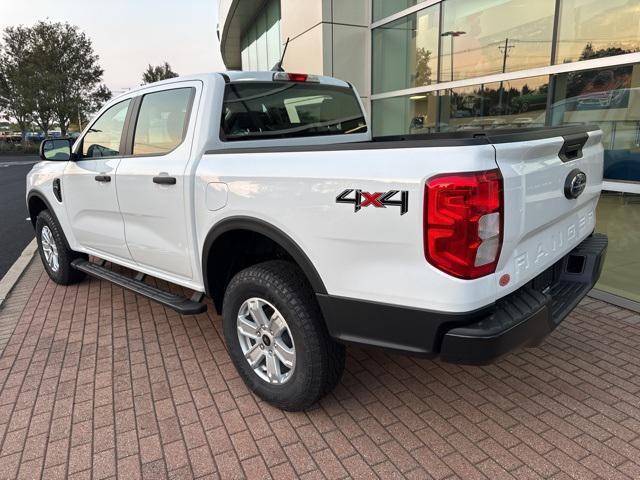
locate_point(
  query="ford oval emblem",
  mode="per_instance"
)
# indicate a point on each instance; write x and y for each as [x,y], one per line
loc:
[575,184]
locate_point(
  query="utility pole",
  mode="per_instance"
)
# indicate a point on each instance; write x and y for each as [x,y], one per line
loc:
[505,54]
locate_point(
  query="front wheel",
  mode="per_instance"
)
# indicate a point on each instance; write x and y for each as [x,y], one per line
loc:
[55,254]
[277,338]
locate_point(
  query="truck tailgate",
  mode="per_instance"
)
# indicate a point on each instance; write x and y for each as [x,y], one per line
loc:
[546,211]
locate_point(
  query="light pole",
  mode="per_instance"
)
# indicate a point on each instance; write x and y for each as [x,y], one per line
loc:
[452,34]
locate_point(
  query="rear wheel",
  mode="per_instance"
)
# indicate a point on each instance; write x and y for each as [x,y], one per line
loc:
[277,338]
[55,254]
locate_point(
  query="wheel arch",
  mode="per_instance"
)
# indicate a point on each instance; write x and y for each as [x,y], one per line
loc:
[213,250]
[36,203]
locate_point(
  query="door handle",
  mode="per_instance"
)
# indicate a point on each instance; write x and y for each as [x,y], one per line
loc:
[164,180]
[103,178]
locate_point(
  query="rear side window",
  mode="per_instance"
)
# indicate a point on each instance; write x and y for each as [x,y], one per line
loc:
[267,110]
[162,121]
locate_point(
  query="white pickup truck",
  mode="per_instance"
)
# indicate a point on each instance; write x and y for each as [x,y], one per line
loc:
[267,192]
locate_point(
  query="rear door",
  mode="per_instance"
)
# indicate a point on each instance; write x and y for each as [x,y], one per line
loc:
[551,189]
[89,185]
[152,179]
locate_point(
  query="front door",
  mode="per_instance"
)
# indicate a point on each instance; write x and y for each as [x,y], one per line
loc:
[90,190]
[152,182]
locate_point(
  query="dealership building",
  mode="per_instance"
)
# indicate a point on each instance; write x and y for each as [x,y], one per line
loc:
[451,65]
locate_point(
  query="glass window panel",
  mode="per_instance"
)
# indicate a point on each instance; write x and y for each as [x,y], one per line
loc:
[267,110]
[244,55]
[161,122]
[597,28]
[610,98]
[384,8]
[251,45]
[618,216]
[509,104]
[103,138]
[405,52]
[494,36]
[273,33]
[405,115]
[261,40]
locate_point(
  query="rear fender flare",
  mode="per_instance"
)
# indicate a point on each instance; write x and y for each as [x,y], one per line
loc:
[269,231]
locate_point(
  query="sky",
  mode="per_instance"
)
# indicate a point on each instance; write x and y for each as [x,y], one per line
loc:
[130,34]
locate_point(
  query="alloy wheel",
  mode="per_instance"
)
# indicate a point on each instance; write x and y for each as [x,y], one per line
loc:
[50,249]
[266,341]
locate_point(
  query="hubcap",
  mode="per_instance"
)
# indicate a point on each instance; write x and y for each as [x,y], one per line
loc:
[49,248]
[266,341]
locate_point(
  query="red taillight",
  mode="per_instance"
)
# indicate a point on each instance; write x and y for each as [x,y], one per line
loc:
[295,77]
[463,219]
[298,77]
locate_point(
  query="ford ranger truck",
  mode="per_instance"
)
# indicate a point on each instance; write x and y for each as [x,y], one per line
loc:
[267,192]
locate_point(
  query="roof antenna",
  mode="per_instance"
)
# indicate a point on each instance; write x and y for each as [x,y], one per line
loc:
[278,66]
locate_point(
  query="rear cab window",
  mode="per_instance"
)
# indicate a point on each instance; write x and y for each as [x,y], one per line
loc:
[268,110]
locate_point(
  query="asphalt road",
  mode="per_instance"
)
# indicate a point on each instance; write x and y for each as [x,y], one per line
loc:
[15,231]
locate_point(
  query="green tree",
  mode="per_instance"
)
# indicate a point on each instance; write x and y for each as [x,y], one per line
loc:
[157,73]
[68,76]
[16,78]
[49,73]
[423,70]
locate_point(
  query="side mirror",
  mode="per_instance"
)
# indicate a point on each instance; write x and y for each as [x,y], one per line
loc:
[56,149]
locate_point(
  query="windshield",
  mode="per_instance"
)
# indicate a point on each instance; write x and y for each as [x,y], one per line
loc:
[265,110]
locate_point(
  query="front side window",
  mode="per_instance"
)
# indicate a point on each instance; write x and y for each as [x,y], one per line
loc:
[267,110]
[103,138]
[162,121]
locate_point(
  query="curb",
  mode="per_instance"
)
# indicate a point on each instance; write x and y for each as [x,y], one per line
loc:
[17,269]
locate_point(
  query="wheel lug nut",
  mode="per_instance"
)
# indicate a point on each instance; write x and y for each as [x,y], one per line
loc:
[261,347]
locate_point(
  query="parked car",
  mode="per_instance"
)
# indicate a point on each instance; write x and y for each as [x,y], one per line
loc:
[528,102]
[268,193]
[35,137]
[605,91]
[10,137]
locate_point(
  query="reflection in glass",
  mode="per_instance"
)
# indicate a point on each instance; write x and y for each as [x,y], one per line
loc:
[618,216]
[509,104]
[57,149]
[495,36]
[596,28]
[405,115]
[161,122]
[384,8]
[608,97]
[103,138]
[405,52]
[268,110]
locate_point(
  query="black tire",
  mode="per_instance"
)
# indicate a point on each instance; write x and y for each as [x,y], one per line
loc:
[319,359]
[64,274]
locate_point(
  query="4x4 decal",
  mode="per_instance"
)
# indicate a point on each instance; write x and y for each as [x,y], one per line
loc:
[362,199]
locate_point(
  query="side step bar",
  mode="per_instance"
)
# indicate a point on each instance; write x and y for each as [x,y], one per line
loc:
[179,304]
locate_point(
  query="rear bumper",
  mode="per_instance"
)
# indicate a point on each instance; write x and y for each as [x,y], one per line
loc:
[522,318]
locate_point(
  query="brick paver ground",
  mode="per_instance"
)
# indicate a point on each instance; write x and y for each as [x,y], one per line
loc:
[96,383]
